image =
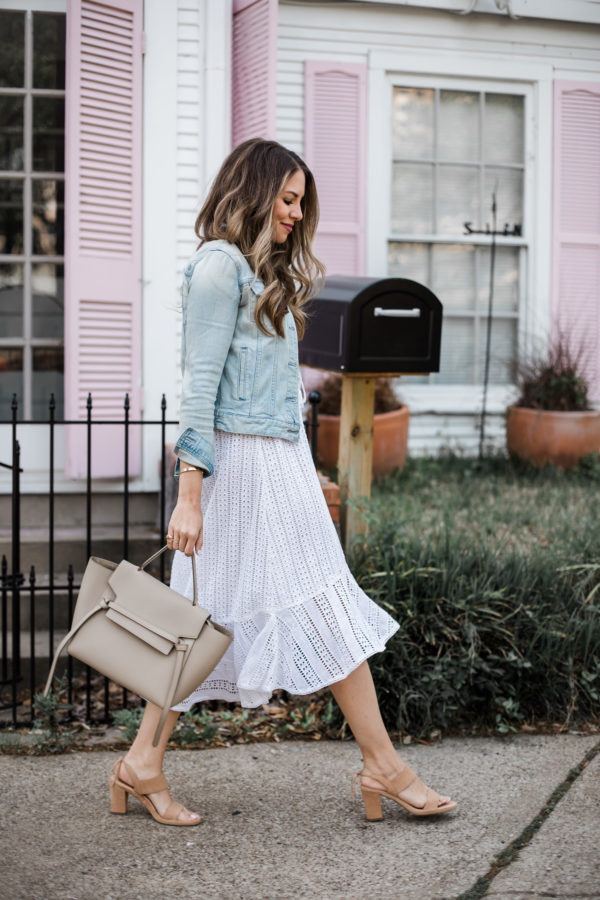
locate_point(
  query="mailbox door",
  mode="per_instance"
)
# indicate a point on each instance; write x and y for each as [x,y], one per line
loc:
[396,326]
[323,342]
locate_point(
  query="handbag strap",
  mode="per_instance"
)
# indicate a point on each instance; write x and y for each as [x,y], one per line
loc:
[162,550]
[68,637]
[181,651]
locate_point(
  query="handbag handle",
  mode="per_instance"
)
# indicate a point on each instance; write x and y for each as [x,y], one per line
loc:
[162,550]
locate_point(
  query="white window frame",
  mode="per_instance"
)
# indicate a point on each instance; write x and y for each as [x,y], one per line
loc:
[475,72]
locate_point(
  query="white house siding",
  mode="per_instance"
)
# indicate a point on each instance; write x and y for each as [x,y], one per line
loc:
[186,134]
[355,32]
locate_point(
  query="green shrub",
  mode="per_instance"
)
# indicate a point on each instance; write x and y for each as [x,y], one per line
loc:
[492,575]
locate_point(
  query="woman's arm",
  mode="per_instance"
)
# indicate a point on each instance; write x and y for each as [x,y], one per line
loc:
[185,525]
[210,314]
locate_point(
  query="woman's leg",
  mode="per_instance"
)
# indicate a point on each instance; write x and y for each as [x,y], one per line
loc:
[147,761]
[356,697]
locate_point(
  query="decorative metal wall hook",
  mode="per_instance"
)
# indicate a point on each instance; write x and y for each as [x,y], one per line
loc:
[501,6]
[505,6]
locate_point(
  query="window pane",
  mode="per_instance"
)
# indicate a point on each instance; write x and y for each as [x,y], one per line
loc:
[49,51]
[11,216]
[412,198]
[11,300]
[506,279]
[458,347]
[48,217]
[503,350]
[412,123]
[48,378]
[12,49]
[454,275]
[409,261]
[508,184]
[47,283]
[11,380]
[458,131]
[503,129]
[11,133]
[458,198]
[48,134]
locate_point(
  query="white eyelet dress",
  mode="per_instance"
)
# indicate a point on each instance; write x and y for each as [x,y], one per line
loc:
[272,571]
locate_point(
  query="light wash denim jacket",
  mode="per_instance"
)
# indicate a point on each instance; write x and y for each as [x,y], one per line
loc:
[235,378]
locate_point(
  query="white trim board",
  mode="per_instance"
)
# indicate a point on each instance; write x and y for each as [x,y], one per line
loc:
[587,11]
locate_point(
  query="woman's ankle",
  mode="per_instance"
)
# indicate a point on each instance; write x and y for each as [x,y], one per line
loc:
[146,762]
[386,763]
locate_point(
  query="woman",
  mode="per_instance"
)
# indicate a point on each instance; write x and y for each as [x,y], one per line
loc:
[271,568]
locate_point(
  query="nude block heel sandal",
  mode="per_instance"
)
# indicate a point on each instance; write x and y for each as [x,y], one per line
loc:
[392,788]
[141,787]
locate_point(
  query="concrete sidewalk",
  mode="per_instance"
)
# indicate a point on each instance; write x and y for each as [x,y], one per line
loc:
[279,823]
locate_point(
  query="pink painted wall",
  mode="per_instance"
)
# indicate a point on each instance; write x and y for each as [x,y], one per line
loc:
[103,166]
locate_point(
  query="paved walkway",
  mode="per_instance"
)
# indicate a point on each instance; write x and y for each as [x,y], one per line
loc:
[279,823]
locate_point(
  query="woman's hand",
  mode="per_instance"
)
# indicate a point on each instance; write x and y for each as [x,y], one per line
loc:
[185,526]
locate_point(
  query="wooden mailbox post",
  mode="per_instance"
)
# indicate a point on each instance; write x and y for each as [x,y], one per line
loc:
[356,451]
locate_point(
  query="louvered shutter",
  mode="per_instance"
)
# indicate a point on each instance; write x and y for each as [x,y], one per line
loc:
[335,150]
[254,61]
[103,229]
[576,256]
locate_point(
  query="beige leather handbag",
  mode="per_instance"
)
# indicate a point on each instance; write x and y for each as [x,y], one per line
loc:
[141,634]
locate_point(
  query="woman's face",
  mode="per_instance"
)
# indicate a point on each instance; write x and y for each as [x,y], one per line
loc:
[287,210]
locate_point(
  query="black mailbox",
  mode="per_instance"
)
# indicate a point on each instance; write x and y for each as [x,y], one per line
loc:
[373,325]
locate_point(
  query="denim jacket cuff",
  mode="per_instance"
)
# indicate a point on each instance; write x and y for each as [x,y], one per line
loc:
[192,448]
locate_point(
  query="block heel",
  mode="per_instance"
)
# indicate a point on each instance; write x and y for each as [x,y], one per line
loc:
[372,801]
[118,797]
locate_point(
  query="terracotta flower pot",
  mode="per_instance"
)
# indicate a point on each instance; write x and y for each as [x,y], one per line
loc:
[390,439]
[559,438]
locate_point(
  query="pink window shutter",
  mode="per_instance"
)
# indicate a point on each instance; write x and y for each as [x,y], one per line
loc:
[335,150]
[576,225]
[103,230]
[254,69]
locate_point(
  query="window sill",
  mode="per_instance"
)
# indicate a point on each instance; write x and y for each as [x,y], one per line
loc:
[454,399]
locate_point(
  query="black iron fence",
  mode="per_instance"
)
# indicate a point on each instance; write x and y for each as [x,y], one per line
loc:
[24,659]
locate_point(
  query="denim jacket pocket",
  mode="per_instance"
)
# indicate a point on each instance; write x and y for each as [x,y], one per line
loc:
[243,374]
[250,287]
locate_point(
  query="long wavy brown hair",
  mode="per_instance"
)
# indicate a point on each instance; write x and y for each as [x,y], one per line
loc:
[239,209]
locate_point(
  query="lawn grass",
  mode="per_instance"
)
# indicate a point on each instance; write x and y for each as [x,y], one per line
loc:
[493,571]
